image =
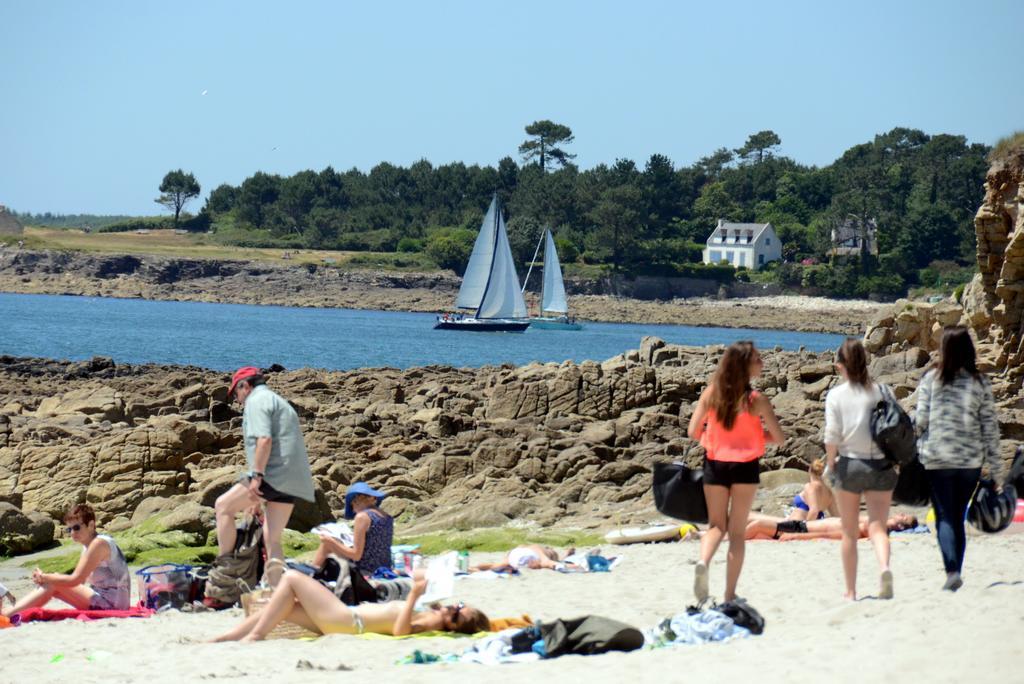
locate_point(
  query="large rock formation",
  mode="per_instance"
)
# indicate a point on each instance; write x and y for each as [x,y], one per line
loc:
[992,305]
[998,309]
[566,443]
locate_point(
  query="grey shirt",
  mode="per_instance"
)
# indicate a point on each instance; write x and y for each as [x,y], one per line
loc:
[268,415]
[958,424]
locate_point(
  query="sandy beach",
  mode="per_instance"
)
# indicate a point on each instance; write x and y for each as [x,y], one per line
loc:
[923,634]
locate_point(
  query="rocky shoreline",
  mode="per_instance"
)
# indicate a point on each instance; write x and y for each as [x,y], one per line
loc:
[566,445]
[249,282]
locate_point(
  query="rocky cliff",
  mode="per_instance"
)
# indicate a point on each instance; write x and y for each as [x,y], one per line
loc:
[993,304]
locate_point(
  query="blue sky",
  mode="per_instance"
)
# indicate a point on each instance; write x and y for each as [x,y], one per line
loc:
[98,100]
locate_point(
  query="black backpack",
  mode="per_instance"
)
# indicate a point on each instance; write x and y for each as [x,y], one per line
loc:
[742,614]
[892,429]
[679,492]
[1016,476]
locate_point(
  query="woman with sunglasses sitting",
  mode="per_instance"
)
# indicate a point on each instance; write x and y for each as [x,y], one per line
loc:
[301,599]
[100,580]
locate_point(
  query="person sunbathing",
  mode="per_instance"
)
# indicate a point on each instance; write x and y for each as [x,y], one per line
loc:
[100,580]
[767,527]
[301,599]
[533,556]
[815,500]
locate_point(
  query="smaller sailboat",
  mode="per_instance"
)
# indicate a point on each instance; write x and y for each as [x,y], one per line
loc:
[554,306]
[490,285]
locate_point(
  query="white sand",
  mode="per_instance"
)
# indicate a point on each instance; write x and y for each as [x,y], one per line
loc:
[923,634]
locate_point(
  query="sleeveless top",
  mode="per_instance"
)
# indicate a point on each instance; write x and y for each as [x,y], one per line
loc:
[110,580]
[742,444]
[377,546]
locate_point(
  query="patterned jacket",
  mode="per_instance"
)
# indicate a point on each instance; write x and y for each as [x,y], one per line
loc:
[957,423]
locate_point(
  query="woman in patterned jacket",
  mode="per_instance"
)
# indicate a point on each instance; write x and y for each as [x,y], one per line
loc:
[956,418]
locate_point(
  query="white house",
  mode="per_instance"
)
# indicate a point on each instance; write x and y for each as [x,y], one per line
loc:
[743,244]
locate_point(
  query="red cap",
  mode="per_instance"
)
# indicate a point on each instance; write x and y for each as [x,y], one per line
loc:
[241,374]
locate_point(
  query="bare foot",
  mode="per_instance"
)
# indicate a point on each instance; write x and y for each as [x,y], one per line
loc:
[850,596]
[251,637]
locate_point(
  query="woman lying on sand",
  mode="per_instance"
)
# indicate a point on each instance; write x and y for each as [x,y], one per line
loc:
[301,599]
[533,556]
[100,579]
[767,527]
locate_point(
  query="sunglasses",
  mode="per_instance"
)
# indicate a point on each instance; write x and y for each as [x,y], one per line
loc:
[455,614]
[73,528]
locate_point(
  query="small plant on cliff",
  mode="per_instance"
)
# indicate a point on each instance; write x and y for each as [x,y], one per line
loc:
[1009,147]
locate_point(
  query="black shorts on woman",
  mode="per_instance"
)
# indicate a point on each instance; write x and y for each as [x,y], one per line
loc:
[728,473]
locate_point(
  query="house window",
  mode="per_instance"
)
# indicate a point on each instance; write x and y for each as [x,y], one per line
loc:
[767,241]
[760,259]
[743,259]
[729,256]
[715,256]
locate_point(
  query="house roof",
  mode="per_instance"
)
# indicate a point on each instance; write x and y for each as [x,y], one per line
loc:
[757,228]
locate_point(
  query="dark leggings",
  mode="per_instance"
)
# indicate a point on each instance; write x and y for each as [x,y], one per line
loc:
[951,490]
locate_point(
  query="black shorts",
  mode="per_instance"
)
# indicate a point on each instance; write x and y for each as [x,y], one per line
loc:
[271,494]
[728,473]
[790,527]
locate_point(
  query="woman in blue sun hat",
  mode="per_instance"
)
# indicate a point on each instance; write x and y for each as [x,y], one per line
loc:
[372,532]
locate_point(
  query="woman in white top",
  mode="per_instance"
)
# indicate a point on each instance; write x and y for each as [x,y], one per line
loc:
[859,466]
[100,580]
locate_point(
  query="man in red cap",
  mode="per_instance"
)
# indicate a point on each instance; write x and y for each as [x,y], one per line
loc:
[278,468]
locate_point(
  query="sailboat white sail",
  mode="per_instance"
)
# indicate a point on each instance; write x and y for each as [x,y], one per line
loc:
[552,298]
[490,285]
[478,270]
[553,291]
[502,296]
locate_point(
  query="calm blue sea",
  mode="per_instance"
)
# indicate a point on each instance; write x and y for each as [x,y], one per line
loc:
[225,336]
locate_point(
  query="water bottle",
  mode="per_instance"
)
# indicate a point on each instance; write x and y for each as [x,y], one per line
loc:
[463,561]
[398,560]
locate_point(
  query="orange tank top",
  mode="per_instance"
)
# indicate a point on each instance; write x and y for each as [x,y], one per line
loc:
[743,443]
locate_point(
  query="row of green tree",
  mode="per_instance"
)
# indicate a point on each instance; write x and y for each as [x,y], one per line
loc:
[921,190]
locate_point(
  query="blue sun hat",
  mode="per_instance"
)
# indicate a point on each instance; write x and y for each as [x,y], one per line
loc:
[357,489]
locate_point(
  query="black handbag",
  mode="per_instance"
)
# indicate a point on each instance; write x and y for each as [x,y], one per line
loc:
[679,492]
[912,485]
[892,430]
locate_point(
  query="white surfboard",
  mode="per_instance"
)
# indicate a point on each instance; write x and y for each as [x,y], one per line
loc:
[642,535]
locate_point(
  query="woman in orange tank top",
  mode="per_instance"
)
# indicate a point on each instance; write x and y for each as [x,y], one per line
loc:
[733,424]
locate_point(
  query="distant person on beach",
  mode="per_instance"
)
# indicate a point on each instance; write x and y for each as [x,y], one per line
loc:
[278,468]
[956,417]
[533,556]
[860,467]
[733,423]
[100,580]
[301,599]
[815,500]
[782,529]
[372,532]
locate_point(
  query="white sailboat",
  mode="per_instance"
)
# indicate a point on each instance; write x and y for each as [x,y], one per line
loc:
[490,286]
[553,301]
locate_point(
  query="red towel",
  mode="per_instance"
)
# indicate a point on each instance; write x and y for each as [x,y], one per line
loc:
[47,615]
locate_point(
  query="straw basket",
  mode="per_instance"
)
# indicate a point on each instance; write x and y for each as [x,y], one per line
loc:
[256,601]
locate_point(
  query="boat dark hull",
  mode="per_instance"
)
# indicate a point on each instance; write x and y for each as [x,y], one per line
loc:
[475,325]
